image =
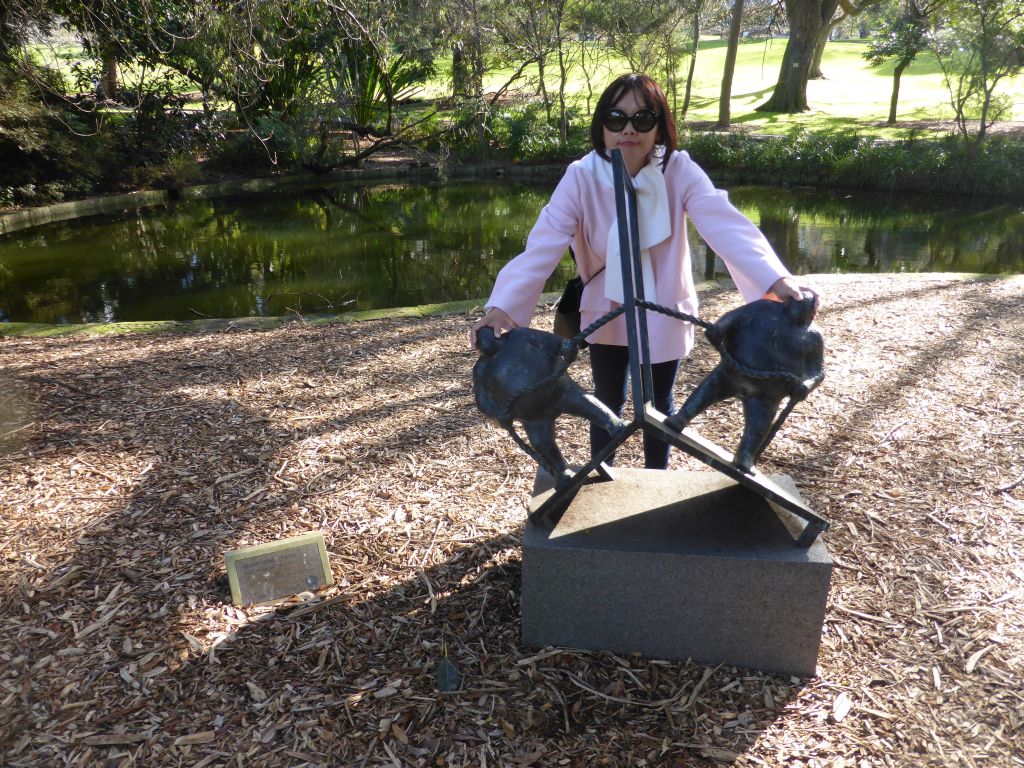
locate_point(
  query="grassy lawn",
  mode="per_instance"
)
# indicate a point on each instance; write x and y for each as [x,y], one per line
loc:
[853,94]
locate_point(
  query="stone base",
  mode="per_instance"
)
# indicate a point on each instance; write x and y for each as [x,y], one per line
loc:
[677,565]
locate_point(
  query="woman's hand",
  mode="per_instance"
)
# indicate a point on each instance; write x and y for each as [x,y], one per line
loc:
[788,288]
[495,318]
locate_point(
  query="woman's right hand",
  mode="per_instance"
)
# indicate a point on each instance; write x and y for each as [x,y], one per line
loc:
[495,318]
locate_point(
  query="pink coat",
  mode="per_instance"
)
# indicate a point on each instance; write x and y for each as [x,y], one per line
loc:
[581,211]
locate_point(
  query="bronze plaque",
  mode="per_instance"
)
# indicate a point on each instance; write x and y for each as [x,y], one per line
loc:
[269,572]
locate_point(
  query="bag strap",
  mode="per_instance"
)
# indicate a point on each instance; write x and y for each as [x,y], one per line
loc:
[587,282]
[580,271]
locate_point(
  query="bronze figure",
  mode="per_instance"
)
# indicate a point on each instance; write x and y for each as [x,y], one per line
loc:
[769,353]
[522,376]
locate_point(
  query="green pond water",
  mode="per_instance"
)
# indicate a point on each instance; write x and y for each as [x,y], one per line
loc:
[348,248]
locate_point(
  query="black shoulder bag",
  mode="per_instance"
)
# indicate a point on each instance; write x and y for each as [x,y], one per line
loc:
[567,311]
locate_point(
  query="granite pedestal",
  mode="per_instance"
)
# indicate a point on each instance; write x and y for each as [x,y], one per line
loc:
[676,565]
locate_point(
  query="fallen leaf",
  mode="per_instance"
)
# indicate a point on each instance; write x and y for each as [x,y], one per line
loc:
[975,658]
[257,693]
[201,737]
[447,677]
[114,739]
[399,733]
[841,707]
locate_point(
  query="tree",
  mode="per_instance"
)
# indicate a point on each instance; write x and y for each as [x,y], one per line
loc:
[735,26]
[848,9]
[698,9]
[592,55]
[648,37]
[901,37]
[18,19]
[472,42]
[806,20]
[979,45]
[529,33]
[562,14]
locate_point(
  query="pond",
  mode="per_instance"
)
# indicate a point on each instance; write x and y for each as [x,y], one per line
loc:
[345,248]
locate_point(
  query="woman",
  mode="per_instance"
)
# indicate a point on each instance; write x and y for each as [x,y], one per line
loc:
[633,116]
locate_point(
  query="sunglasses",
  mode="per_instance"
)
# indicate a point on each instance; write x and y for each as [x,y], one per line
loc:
[643,121]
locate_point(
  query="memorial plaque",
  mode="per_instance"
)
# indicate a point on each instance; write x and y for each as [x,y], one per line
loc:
[269,572]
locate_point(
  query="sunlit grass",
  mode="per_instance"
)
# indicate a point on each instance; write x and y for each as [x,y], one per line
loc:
[853,95]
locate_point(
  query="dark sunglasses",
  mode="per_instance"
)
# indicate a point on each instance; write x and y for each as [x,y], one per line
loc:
[643,121]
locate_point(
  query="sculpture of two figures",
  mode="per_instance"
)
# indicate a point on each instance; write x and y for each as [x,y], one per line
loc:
[769,352]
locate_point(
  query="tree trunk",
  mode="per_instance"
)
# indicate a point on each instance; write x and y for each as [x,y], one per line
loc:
[983,123]
[724,114]
[806,19]
[477,68]
[849,9]
[109,80]
[563,77]
[709,263]
[545,99]
[693,57]
[896,75]
[460,70]
[819,49]
[586,72]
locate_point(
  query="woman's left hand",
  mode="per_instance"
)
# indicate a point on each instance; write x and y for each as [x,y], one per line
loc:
[788,288]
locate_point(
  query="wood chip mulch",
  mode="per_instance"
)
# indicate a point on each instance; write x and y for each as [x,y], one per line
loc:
[130,464]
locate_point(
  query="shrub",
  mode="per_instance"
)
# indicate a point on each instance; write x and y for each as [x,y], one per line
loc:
[514,133]
[45,152]
[950,164]
[181,169]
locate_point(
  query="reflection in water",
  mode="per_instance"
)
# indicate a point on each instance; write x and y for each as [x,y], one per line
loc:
[345,247]
[816,232]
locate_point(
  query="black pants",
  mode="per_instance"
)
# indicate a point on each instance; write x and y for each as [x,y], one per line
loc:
[610,367]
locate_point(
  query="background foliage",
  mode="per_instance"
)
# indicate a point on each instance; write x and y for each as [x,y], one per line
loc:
[97,95]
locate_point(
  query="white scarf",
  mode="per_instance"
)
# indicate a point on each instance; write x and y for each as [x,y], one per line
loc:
[653,219]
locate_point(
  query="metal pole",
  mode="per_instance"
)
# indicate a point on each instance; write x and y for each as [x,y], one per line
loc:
[632,280]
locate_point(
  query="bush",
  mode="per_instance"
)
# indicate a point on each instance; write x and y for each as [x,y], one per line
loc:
[949,165]
[514,133]
[180,170]
[239,150]
[46,153]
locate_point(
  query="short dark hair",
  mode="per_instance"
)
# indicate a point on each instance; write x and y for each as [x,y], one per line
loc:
[647,92]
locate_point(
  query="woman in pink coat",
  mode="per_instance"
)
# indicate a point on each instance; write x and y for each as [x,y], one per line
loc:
[633,116]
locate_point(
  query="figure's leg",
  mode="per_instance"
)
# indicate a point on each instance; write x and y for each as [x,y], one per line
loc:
[541,434]
[758,415]
[609,365]
[578,403]
[663,377]
[715,388]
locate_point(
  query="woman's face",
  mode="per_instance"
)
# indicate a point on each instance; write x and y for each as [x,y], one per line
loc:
[636,147]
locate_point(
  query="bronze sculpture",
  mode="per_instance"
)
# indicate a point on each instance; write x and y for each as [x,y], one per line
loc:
[769,353]
[522,376]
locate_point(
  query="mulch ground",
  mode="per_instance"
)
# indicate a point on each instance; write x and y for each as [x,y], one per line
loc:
[130,464]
